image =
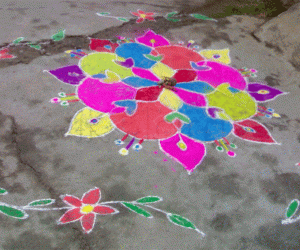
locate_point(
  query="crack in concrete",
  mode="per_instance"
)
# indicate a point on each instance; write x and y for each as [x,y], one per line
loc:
[25,54]
[53,194]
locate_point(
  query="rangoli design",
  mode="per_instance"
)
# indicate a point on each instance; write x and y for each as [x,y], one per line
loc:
[125,85]
[88,207]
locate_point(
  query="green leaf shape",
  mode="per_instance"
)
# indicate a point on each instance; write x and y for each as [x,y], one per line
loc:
[181,221]
[123,19]
[149,199]
[154,58]
[171,14]
[137,209]
[173,20]
[42,202]
[202,17]
[60,35]
[292,208]
[35,46]
[12,211]
[18,40]
[3,191]
[176,115]
[103,13]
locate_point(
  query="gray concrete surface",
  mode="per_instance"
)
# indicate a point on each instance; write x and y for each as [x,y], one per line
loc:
[238,202]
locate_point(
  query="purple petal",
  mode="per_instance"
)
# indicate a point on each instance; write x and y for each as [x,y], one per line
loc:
[71,74]
[261,92]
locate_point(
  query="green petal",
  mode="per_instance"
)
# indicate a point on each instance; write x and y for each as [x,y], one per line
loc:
[42,202]
[149,199]
[181,221]
[173,20]
[3,191]
[137,209]
[123,19]
[18,40]
[202,17]
[103,13]
[171,14]
[58,36]
[292,208]
[35,46]
[12,211]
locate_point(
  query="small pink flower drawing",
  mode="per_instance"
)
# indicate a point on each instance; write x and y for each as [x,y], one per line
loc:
[153,40]
[4,54]
[85,209]
[143,15]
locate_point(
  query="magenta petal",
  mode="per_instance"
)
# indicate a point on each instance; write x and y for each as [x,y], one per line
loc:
[220,73]
[101,96]
[146,74]
[191,157]
[150,36]
[191,98]
[71,74]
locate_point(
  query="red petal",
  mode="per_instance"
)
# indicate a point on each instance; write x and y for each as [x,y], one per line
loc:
[185,75]
[70,216]
[91,197]
[88,222]
[140,20]
[104,210]
[149,14]
[254,131]
[141,12]
[72,200]
[135,14]
[3,51]
[148,94]
[150,18]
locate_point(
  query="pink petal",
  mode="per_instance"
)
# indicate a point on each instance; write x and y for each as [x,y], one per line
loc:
[141,12]
[92,196]
[70,216]
[191,157]
[135,14]
[146,74]
[72,200]
[88,222]
[105,210]
[149,14]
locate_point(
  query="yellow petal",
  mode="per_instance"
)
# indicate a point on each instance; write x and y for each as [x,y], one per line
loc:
[111,77]
[162,70]
[82,127]
[170,99]
[223,53]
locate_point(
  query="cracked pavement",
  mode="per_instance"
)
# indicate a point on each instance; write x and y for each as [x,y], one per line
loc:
[238,202]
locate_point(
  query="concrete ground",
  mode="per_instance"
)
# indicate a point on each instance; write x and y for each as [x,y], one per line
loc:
[238,203]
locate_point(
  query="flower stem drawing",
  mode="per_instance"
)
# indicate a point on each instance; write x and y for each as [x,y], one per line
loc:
[88,207]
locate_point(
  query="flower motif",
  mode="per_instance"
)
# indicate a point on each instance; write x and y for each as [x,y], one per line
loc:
[262,92]
[143,15]
[4,54]
[153,40]
[85,209]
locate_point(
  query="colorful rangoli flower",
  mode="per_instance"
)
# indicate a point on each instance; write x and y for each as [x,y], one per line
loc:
[120,85]
[85,209]
[4,54]
[143,16]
